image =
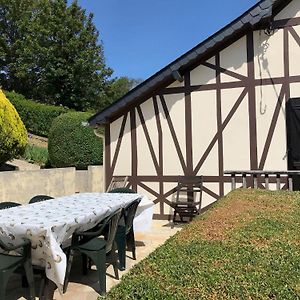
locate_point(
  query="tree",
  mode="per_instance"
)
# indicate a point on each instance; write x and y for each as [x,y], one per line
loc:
[13,135]
[117,88]
[50,52]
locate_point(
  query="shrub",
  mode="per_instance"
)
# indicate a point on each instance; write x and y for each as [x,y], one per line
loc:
[72,144]
[35,154]
[13,135]
[37,117]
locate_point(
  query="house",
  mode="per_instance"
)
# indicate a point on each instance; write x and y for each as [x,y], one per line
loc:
[220,106]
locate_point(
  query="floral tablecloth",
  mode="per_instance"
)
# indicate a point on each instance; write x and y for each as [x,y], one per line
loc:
[143,216]
[50,223]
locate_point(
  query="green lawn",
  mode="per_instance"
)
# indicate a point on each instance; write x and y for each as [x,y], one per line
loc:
[246,247]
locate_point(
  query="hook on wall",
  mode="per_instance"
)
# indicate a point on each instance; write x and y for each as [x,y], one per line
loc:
[262,109]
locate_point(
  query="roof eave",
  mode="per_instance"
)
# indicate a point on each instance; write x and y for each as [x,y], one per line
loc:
[257,16]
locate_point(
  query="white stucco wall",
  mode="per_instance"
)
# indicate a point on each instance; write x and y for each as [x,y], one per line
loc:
[268,63]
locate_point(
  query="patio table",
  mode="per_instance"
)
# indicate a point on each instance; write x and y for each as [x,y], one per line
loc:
[50,223]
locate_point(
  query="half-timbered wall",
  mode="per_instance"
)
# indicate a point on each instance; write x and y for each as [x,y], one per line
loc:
[227,114]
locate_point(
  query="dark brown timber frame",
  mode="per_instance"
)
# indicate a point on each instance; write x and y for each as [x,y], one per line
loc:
[185,155]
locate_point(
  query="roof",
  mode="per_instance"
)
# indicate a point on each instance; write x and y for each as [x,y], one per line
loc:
[259,14]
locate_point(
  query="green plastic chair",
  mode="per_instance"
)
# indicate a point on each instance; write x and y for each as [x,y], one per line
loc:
[10,263]
[101,251]
[5,205]
[125,234]
[39,198]
[123,190]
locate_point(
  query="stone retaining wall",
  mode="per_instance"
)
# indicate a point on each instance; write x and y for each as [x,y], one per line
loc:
[20,186]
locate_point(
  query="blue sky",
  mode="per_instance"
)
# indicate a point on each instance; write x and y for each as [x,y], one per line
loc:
[142,36]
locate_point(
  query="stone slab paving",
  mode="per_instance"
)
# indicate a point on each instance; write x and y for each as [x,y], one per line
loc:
[86,287]
[23,165]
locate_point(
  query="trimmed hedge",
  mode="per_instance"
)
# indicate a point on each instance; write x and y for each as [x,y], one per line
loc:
[13,134]
[72,144]
[37,117]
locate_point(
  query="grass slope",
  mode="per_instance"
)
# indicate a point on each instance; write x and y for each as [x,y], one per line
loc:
[246,247]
